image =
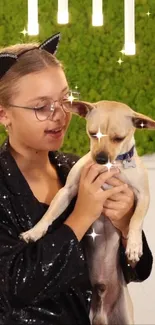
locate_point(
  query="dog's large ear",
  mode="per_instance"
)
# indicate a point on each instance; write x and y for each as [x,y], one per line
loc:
[81,108]
[141,121]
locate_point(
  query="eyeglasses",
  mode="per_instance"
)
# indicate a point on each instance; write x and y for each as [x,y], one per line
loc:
[46,111]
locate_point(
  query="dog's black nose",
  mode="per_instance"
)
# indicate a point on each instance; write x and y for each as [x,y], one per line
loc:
[101,158]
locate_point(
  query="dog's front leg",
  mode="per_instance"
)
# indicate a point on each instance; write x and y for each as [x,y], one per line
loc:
[59,203]
[134,249]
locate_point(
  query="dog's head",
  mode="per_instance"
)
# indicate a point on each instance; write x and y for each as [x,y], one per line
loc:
[116,121]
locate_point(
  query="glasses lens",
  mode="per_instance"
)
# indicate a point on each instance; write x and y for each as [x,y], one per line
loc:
[67,105]
[44,112]
[72,96]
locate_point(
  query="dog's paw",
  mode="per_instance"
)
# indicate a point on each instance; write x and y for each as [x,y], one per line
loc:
[134,249]
[33,234]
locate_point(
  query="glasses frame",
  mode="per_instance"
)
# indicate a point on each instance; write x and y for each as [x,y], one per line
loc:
[35,109]
[52,107]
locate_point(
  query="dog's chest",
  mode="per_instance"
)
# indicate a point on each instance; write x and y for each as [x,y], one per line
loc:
[131,176]
[102,250]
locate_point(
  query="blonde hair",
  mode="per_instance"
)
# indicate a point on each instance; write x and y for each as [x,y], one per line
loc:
[34,60]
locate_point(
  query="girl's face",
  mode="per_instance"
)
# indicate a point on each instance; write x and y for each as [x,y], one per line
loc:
[37,90]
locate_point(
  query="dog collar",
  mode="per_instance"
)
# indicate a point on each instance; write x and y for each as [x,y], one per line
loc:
[126,156]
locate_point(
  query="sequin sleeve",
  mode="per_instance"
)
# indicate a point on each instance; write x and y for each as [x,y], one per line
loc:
[34,271]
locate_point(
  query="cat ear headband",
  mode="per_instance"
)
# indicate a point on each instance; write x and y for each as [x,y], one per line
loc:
[8,59]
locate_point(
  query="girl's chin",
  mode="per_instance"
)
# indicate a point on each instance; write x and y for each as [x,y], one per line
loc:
[56,144]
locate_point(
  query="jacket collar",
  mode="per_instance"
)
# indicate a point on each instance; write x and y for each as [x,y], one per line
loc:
[12,176]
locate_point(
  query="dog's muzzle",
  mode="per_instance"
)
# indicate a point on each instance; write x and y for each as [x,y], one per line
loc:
[101,158]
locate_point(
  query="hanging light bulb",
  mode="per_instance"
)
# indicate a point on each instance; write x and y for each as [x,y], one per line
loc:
[33,26]
[63,14]
[97,13]
[129,26]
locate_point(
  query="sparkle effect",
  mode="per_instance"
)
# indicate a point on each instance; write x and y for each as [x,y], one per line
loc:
[148,13]
[99,134]
[109,165]
[122,51]
[24,32]
[142,125]
[89,299]
[120,61]
[93,234]
[71,97]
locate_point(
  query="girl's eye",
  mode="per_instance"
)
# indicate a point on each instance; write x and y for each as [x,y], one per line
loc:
[43,107]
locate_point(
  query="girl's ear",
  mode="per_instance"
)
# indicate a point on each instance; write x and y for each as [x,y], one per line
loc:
[4,119]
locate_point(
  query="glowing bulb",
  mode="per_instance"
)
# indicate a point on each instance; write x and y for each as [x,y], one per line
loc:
[97,13]
[63,14]
[33,26]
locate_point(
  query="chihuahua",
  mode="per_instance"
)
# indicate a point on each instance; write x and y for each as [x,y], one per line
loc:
[110,127]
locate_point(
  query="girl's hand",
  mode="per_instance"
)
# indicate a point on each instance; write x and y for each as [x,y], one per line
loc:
[119,207]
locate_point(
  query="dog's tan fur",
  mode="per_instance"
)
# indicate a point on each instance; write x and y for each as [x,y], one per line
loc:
[111,305]
[116,119]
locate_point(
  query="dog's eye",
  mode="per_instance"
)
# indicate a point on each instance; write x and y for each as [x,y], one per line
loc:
[118,139]
[93,135]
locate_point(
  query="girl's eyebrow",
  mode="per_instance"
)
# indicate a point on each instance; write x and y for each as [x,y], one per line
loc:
[46,97]
[66,88]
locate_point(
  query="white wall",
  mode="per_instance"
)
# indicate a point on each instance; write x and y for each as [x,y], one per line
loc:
[143,294]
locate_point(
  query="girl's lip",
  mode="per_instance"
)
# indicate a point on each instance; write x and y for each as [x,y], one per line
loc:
[56,128]
[60,127]
[55,135]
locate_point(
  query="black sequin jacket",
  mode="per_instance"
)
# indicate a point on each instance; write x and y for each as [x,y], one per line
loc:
[45,283]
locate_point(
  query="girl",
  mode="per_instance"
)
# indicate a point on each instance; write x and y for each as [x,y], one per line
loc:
[47,282]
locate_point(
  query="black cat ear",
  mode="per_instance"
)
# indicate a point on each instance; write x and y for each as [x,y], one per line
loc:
[8,59]
[6,62]
[51,44]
